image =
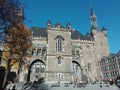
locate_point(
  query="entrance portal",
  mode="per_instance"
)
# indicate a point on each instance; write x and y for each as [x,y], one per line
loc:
[37,70]
[77,72]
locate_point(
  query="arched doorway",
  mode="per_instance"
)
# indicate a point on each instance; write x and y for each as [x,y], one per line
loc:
[77,71]
[37,70]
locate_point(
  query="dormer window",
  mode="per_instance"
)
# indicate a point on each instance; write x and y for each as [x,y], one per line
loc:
[58,26]
[68,27]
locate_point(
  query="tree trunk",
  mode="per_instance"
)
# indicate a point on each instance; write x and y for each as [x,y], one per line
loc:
[6,73]
[8,69]
[18,72]
[28,76]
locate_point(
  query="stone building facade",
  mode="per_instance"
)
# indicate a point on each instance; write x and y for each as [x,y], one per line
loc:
[110,66]
[62,54]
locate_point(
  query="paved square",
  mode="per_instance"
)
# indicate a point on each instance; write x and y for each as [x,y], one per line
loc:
[88,87]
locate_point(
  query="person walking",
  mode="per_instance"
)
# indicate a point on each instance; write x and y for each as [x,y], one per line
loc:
[10,86]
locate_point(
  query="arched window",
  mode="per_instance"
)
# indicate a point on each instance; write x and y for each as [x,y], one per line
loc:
[76,68]
[37,67]
[59,43]
[77,71]
[59,60]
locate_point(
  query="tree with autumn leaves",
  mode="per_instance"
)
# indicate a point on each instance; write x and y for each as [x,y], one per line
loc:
[17,47]
[17,38]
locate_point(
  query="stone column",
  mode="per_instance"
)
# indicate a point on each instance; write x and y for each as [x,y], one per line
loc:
[41,52]
[36,51]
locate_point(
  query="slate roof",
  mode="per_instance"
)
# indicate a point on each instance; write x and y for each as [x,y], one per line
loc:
[56,25]
[112,55]
[42,32]
[118,52]
[37,31]
[78,35]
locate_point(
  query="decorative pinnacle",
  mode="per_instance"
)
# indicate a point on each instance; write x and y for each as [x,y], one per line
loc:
[92,11]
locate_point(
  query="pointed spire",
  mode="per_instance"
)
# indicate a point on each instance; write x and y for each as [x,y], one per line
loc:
[68,26]
[91,11]
[93,20]
[49,23]
[103,28]
[23,16]
[21,11]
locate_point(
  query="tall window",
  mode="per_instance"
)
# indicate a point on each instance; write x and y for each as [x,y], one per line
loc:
[59,43]
[73,53]
[77,53]
[38,51]
[34,51]
[43,51]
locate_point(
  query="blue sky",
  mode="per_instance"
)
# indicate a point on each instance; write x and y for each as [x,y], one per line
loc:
[77,12]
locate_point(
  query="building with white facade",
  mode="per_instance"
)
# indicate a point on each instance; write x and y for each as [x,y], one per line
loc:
[110,66]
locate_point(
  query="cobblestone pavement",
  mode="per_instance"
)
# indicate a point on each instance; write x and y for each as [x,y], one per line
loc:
[54,86]
[88,87]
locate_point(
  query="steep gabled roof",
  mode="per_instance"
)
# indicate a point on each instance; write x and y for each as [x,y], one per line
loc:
[78,35]
[39,32]
[58,25]
[42,32]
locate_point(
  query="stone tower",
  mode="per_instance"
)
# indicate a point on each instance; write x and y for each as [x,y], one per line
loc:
[99,36]
[58,65]
[101,41]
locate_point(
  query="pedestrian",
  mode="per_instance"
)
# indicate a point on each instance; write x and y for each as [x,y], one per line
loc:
[10,86]
[111,82]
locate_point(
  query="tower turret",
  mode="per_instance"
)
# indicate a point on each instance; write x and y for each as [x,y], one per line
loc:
[93,20]
[49,24]
[68,26]
[104,31]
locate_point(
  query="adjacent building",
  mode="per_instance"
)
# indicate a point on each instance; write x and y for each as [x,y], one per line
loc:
[110,66]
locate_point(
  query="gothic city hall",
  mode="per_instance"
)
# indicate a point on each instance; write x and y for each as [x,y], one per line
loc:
[62,54]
